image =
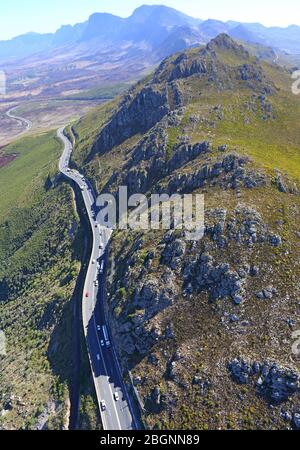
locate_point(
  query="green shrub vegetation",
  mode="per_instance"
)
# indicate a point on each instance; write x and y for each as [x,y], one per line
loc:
[39,265]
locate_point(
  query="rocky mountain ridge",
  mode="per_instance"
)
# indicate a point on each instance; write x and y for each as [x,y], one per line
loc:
[190,319]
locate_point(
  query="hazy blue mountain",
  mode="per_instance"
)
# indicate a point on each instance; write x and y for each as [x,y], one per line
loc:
[152,28]
[68,34]
[161,15]
[180,39]
[211,28]
[148,24]
[102,25]
[287,39]
[25,45]
[242,33]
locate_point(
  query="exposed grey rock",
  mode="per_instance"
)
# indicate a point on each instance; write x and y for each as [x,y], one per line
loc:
[291,323]
[185,153]
[152,145]
[156,396]
[286,415]
[203,383]
[184,69]
[196,379]
[168,237]
[234,318]
[153,359]
[296,421]
[152,150]
[149,259]
[218,279]
[240,371]
[278,383]
[177,94]
[246,227]
[256,367]
[254,271]
[173,253]
[280,184]
[284,184]
[169,333]
[172,371]
[238,299]
[274,382]
[267,293]
[230,172]
[136,115]
[8,405]
[153,298]
[250,72]
[275,240]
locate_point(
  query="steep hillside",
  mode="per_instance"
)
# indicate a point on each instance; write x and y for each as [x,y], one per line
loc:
[40,252]
[206,327]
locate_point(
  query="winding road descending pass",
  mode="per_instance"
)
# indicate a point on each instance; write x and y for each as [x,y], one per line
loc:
[116,411]
[27,123]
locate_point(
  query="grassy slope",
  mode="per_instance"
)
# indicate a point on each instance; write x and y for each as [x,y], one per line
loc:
[272,143]
[105,92]
[38,229]
[25,177]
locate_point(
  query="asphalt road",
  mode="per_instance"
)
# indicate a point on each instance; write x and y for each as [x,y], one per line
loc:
[27,123]
[117,413]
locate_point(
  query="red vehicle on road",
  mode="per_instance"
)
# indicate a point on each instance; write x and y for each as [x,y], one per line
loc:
[87,295]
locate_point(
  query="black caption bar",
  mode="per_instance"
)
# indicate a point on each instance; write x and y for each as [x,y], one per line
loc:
[97,440]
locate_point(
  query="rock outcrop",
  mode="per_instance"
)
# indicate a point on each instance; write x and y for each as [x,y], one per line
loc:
[136,115]
[275,383]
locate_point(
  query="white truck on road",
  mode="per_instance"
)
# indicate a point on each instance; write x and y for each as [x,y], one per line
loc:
[105,334]
[101,269]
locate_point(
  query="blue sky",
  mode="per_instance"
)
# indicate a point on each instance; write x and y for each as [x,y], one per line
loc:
[20,16]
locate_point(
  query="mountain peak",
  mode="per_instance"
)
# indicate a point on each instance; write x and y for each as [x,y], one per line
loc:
[102,24]
[211,28]
[222,64]
[162,14]
[224,42]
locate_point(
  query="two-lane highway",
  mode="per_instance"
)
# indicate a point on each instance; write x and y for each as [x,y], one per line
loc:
[114,402]
[26,123]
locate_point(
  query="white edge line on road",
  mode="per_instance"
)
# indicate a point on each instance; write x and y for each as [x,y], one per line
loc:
[60,131]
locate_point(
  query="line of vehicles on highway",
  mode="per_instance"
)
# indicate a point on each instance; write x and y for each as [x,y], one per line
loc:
[100,265]
[102,330]
[105,342]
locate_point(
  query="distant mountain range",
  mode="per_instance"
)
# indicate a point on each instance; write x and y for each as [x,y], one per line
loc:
[159,29]
[107,50]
